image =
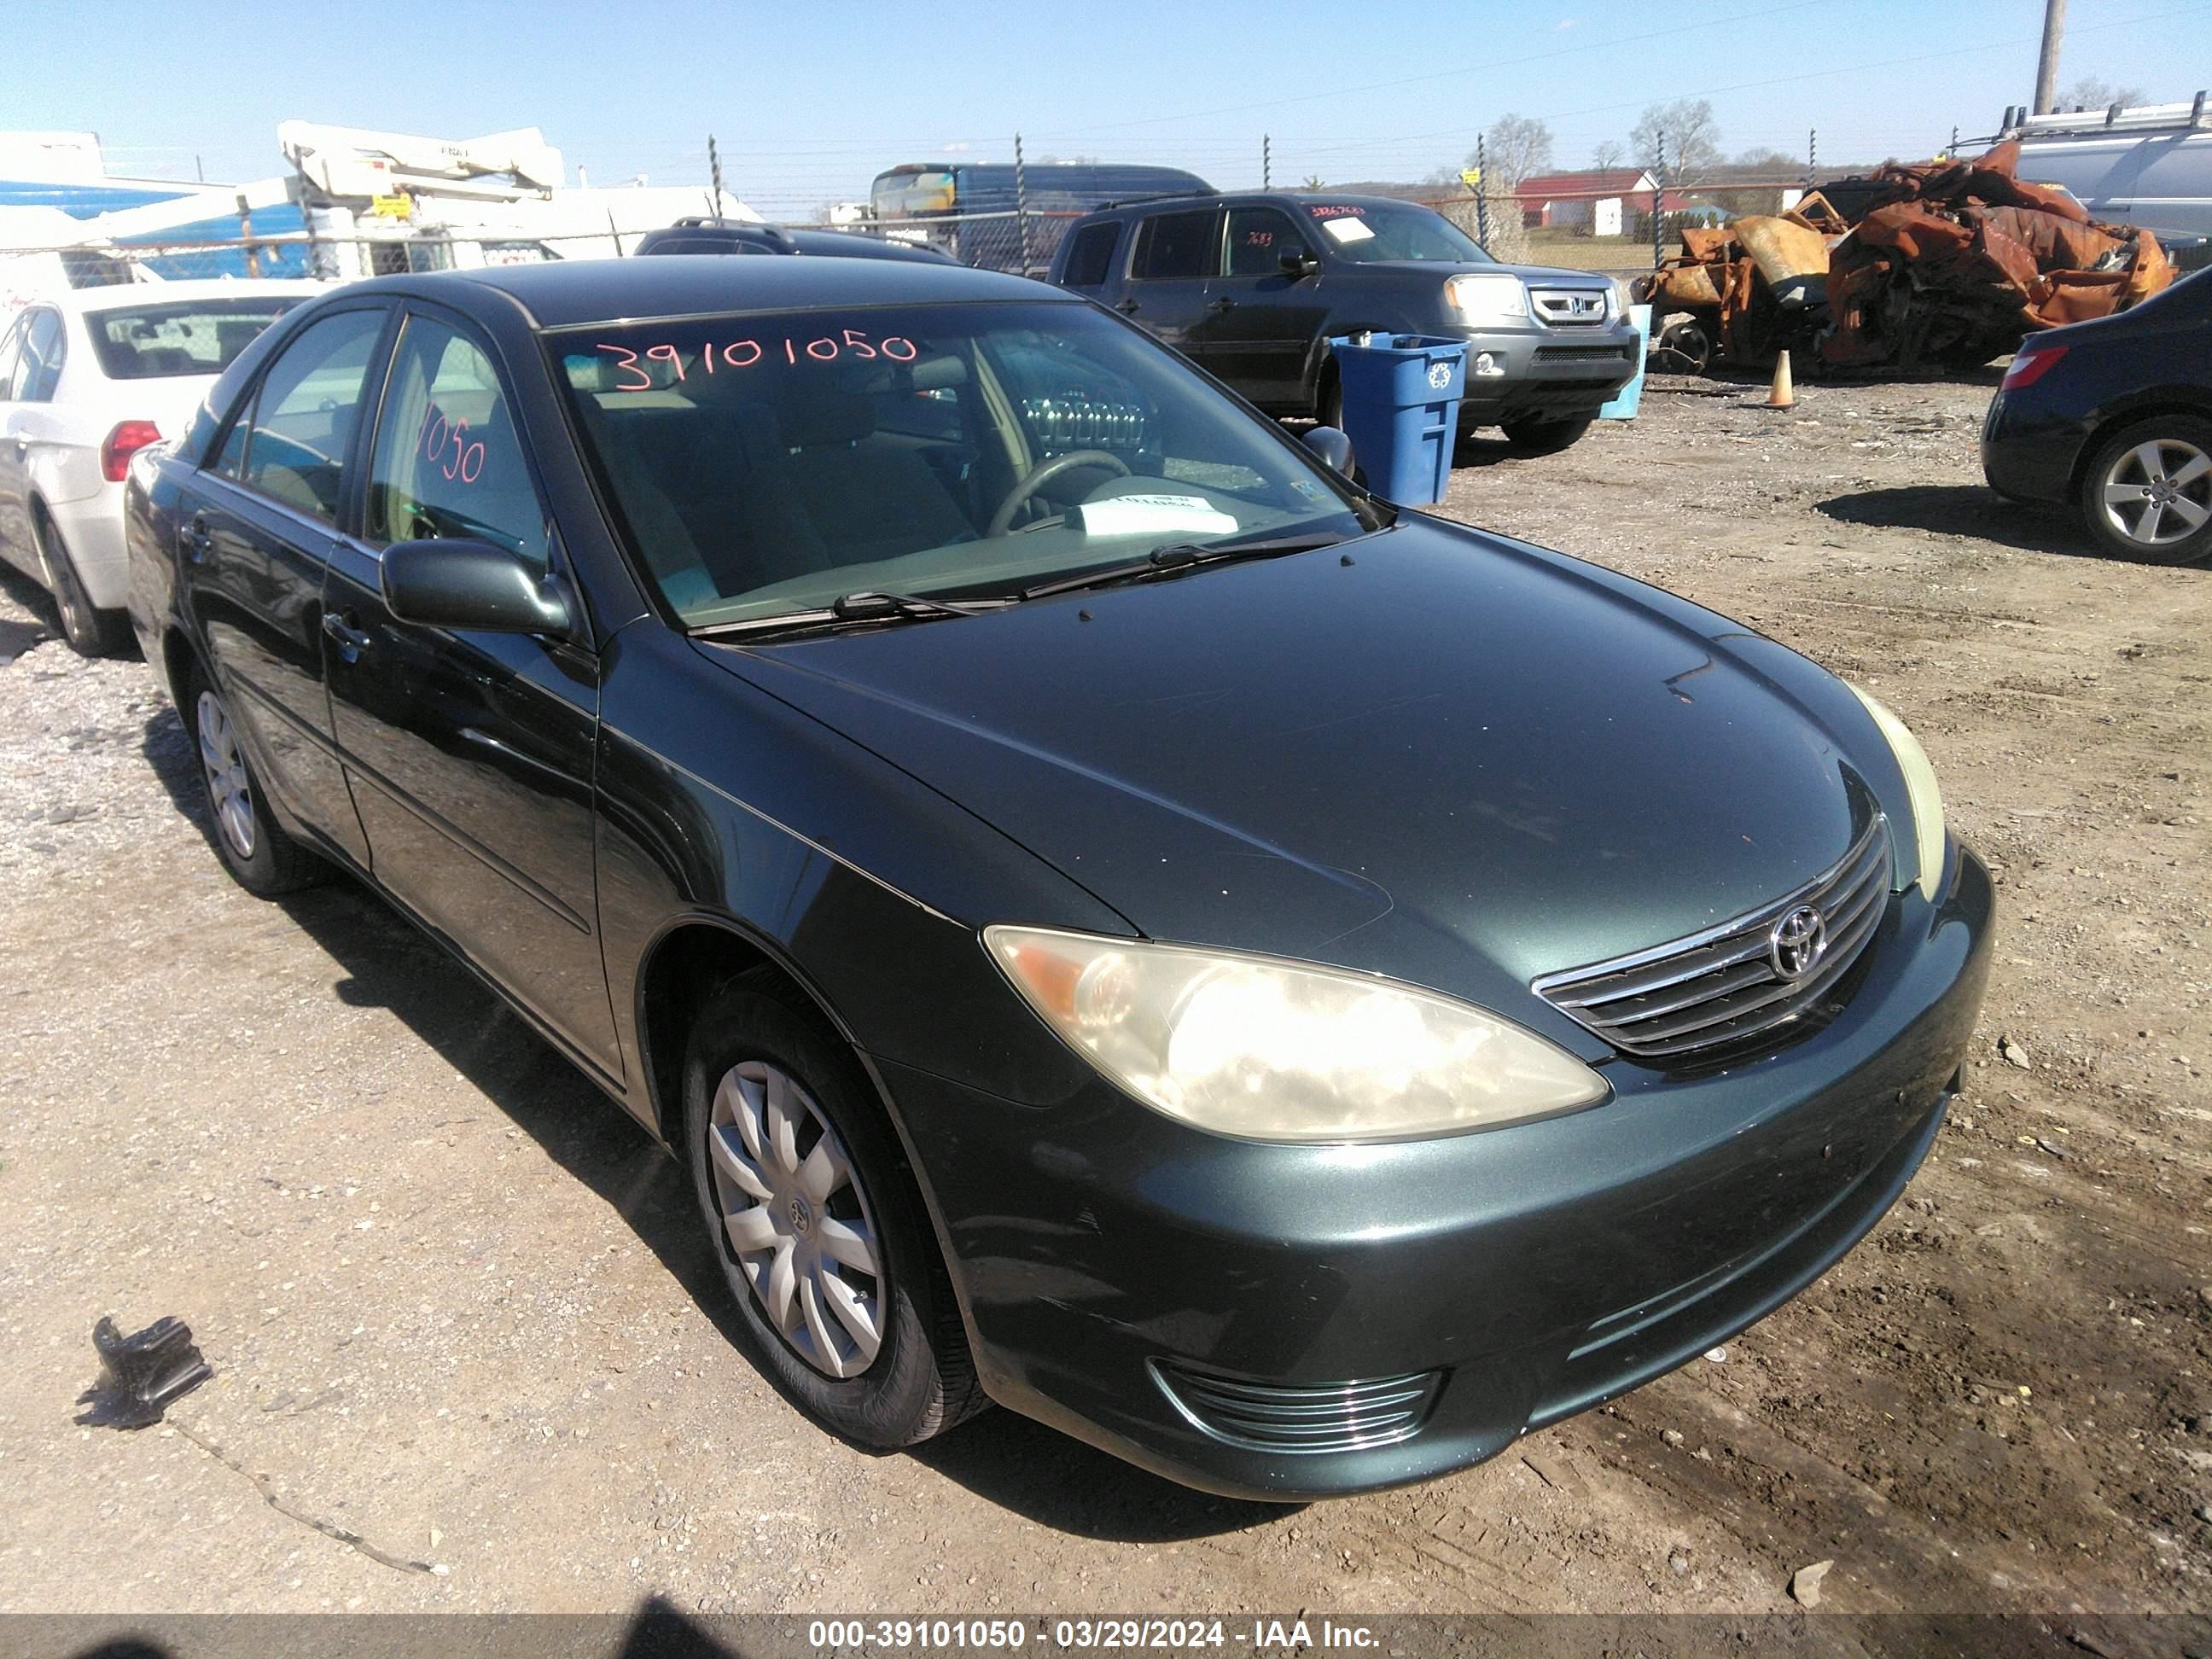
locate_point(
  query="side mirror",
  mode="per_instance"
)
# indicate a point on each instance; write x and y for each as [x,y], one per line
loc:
[1296,262]
[472,585]
[1333,447]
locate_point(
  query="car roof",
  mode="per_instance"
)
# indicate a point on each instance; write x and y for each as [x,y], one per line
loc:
[1187,200]
[120,294]
[562,293]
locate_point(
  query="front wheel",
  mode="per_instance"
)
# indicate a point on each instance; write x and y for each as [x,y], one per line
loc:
[2146,493]
[1544,437]
[842,1299]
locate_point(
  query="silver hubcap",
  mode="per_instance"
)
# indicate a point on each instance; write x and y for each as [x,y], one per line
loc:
[2158,492]
[796,1217]
[228,788]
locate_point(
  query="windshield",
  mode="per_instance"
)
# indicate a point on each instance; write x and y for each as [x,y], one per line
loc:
[1369,232]
[768,465]
[183,337]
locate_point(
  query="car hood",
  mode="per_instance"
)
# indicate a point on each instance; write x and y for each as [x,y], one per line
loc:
[1430,753]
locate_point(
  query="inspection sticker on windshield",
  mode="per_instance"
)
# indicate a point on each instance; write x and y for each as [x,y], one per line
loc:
[1348,230]
[1136,515]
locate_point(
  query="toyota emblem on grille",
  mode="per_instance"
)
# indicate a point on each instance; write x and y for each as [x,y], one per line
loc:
[1797,941]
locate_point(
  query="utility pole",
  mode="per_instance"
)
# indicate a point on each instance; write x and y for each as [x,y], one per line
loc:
[714,170]
[2046,64]
[1266,162]
[1022,203]
[1481,195]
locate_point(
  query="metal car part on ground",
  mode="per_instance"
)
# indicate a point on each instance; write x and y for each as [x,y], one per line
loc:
[1926,265]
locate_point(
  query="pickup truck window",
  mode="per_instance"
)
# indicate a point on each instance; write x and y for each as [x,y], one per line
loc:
[1257,240]
[1177,245]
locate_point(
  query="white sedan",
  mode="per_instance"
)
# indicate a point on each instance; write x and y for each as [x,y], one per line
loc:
[86,379]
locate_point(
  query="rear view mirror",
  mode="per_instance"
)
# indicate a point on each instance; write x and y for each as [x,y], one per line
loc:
[1297,263]
[472,585]
[1333,448]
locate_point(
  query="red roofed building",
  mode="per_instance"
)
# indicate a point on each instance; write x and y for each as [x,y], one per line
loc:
[1598,199]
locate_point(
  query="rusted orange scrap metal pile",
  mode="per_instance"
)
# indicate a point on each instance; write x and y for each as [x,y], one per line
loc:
[1936,264]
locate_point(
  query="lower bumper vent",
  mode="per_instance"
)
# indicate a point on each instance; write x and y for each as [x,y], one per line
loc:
[1314,1417]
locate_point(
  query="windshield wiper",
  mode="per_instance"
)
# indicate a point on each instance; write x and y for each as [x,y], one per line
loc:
[1179,555]
[863,607]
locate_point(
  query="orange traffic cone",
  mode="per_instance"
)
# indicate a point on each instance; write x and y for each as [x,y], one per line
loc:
[1782,395]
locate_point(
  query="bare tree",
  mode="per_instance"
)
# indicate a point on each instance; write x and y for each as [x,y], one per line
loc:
[2090,93]
[1607,154]
[1687,131]
[1517,148]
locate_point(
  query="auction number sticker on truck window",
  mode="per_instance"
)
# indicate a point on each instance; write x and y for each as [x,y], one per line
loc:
[1349,230]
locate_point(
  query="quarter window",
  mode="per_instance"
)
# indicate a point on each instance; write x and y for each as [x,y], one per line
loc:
[1090,255]
[1177,244]
[1257,240]
[448,460]
[303,422]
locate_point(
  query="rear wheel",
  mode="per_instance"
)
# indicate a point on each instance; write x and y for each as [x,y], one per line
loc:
[90,631]
[844,1300]
[1544,437]
[253,846]
[2148,492]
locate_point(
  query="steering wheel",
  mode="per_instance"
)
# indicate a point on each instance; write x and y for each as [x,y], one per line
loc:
[1043,474]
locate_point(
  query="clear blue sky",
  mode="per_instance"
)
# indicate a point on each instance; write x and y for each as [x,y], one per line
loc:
[809,101]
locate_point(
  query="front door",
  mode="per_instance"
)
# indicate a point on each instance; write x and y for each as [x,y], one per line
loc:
[470,754]
[255,527]
[1260,321]
[1176,254]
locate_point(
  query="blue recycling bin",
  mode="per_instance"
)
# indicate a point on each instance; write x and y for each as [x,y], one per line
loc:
[1627,400]
[1401,395]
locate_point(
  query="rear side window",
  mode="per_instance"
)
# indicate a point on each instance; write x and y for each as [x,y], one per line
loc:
[448,460]
[303,422]
[40,369]
[1091,254]
[1176,245]
[1257,240]
[196,337]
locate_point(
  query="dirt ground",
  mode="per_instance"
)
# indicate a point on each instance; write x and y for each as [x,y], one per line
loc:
[460,1311]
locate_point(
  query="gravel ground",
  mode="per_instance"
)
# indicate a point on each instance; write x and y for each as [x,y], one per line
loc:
[470,1354]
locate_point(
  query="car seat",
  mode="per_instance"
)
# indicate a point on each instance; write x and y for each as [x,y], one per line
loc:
[868,497]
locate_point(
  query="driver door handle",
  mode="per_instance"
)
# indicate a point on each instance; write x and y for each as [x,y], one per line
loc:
[1128,308]
[351,642]
[1225,303]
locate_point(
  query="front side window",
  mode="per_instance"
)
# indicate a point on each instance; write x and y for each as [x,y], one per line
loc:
[303,422]
[1369,233]
[1257,240]
[448,460]
[1176,245]
[191,337]
[764,465]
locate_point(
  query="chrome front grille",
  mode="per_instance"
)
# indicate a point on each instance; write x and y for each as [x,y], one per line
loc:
[1318,1416]
[1729,983]
[1571,308]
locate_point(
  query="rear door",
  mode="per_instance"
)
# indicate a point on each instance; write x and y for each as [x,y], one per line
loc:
[28,427]
[255,529]
[1176,254]
[471,753]
[1259,323]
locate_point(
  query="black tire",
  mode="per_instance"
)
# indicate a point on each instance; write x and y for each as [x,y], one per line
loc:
[922,1379]
[2115,466]
[1546,437]
[90,631]
[263,859]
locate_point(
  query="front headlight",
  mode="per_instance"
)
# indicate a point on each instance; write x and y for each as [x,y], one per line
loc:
[1483,297]
[1272,1050]
[1926,799]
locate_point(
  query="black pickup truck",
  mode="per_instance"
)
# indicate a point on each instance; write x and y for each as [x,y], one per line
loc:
[1252,286]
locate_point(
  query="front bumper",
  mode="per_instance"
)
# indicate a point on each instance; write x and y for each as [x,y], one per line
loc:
[1512,1278]
[1545,373]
